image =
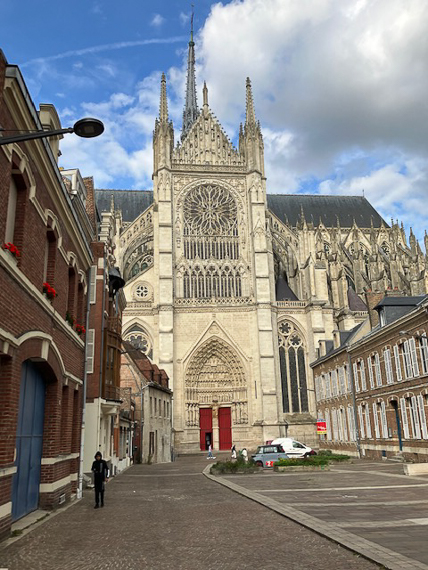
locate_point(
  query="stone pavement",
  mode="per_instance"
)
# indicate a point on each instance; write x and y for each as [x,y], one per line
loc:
[172,517]
[371,507]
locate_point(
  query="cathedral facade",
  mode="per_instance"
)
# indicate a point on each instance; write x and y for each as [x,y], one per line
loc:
[231,289]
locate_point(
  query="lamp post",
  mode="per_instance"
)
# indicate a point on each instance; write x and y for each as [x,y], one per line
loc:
[86,128]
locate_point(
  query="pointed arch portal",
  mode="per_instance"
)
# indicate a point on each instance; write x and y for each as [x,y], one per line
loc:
[216,389]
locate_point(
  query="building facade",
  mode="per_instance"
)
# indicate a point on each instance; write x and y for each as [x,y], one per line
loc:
[230,288]
[44,267]
[372,390]
[149,388]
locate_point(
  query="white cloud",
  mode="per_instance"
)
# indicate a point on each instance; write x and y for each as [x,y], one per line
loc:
[157,20]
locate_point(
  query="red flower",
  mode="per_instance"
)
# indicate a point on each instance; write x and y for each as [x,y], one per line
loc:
[49,291]
[80,329]
[12,248]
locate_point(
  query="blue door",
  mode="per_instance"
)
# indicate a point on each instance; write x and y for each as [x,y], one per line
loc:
[29,442]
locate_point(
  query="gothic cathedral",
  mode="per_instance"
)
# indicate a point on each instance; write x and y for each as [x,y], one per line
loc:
[231,289]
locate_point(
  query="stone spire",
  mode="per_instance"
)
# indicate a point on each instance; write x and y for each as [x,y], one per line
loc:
[163,106]
[191,110]
[250,119]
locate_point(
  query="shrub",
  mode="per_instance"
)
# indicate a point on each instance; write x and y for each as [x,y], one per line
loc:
[238,466]
[296,462]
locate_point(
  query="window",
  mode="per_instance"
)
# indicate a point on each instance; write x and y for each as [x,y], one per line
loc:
[398,368]
[376,420]
[11,212]
[388,366]
[342,387]
[362,375]
[327,385]
[423,418]
[93,285]
[50,258]
[328,423]
[334,383]
[385,433]
[142,292]
[423,346]
[404,418]
[351,424]
[378,370]
[414,415]
[368,426]
[71,292]
[357,384]
[292,358]
[414,357]
[408,370]
[335,427]
[90,337]
[348,379]
[361,420]
[370,365]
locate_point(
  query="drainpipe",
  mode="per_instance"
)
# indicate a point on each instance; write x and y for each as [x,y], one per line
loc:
[102,350]
[85,363]
[354,401]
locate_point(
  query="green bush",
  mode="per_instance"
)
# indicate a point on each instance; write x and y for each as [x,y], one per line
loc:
[327,453]
[238,466]
[313,460]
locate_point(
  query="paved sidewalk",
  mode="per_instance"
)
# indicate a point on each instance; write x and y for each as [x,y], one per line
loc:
[172,517]
[370,507]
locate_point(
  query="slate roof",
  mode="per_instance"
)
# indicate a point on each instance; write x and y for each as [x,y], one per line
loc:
[326,208]
[398,301]
[131,202]
[284,206]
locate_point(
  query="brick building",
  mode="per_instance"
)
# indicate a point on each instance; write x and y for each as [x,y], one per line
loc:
[153,406]
[41,352]
[377,379]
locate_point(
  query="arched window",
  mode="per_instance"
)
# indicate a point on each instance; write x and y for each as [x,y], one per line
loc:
[292,360]
[140,340]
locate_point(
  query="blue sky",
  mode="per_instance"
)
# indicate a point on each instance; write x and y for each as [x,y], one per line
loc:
[339,86]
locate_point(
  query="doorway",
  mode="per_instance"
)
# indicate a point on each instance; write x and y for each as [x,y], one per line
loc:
[206,427]
[225,428]
[29,442]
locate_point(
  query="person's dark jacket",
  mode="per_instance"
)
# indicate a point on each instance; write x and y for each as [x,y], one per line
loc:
[100,471]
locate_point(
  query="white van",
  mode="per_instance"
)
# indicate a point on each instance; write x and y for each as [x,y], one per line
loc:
[293,448]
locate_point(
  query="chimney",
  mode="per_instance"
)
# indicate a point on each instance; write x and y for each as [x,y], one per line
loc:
[372,299]
[336,339]
[322,348]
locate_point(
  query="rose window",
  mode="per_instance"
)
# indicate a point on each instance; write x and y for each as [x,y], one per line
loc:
[142,292]
[211,211]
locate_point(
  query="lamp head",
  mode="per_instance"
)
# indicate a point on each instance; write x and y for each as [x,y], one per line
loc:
[88,128]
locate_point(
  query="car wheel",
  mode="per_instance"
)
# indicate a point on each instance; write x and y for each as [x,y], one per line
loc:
[259,463]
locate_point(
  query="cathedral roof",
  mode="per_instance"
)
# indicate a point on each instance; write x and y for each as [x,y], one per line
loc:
[287,207]
[328,209]
[131,202]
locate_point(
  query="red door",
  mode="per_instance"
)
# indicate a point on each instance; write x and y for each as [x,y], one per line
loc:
[206,427]
[225,428]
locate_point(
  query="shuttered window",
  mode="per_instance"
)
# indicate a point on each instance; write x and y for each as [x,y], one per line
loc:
[335,430]
[327,421]
[415,415]
[388,366]
[90,351]
[361,419]
[408,371]
[404,418]
[378,370]
[397,363]
[370,367]
[93,285]
[384,420]
[363,376]
[334,383]
[414,357]
[423,343]
[422,416]
[375,420]
[351,424]
[357,384]
[368,425]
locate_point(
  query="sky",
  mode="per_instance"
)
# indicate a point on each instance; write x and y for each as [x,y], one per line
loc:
[340,86]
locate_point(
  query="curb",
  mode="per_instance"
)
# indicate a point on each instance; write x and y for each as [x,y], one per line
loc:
[370,550]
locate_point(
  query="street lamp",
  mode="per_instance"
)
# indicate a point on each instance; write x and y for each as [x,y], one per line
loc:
[86,128]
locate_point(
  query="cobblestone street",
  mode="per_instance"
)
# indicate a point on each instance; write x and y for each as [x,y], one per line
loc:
[171,517]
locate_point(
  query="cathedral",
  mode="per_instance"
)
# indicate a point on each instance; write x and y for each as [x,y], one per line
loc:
[231,290]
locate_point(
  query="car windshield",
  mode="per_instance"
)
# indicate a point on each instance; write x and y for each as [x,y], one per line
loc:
[298,445]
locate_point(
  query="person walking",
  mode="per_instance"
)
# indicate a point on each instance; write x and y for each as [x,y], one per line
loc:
[101,474]
[244,454]
[210,452]
[233,452]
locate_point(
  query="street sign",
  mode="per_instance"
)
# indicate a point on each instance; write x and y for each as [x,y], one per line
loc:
[321,427]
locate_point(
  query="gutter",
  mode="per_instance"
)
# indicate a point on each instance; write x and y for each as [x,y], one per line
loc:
[85,374]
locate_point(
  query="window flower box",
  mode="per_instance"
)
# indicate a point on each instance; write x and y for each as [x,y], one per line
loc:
[80,329]
[49,291]
[70,319]
[12,248]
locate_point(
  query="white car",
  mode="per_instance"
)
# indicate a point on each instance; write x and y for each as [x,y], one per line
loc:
[293,448]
